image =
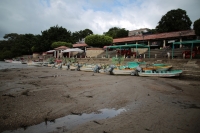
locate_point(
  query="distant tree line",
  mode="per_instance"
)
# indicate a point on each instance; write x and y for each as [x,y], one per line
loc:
[25,44]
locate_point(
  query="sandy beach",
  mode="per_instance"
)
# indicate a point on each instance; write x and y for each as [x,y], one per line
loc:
[30,96]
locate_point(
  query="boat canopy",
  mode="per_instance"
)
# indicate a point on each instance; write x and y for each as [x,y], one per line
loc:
[130,46]
[191,43]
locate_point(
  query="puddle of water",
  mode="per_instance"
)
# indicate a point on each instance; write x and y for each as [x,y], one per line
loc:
[68,122]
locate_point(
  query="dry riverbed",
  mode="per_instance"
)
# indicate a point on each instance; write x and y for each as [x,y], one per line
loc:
[30,96]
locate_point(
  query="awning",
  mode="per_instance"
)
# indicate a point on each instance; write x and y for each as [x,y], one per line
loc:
[73,50]
[50,51]
[130,46]
[191,43]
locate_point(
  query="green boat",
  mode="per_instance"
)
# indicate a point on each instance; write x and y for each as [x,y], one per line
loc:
[152,73]
[131,65]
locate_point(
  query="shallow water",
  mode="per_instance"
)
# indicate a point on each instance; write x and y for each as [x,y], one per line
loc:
[4,65]
[68,122]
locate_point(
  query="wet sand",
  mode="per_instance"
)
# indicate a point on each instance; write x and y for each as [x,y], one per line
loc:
[31,96]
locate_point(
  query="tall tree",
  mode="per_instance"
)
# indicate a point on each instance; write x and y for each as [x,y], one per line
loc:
[174,20]
[11,36]
[80,35]
[85,33]
[98,40]
[196,27]
[151,31]
[116,32]
[58,44]
[26,42]
[54,34]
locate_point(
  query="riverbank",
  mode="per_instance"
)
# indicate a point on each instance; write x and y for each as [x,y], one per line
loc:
[31,96]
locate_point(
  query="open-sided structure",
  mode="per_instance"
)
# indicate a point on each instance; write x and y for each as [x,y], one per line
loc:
[129,46]
[190,43]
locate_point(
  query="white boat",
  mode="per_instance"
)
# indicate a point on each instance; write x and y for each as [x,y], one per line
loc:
[24,62]
[8,60]
[151,73]
[15,61]
[34,63]
[12,61]
[73,68]
[122,72]
[87,69]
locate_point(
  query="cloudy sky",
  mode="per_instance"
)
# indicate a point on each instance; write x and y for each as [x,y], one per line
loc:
[34,16]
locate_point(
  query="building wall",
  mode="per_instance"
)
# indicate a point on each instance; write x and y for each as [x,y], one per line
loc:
[36,55]
[137,32]
[140,50]
[94,52]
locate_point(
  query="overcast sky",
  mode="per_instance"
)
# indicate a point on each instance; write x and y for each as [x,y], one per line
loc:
[34,16]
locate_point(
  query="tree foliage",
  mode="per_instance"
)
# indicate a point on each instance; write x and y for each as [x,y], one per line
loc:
[21,44]
[151,31]
[11,36]
[196,27]
[174,20]
[24,44]
[80,35]
[18,44]
[54,34]
[116,32]
[58,44]
[98,40]
[6,55]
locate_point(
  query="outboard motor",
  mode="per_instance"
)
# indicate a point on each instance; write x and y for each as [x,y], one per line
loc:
[53,65]
[78,67]
[110,69]
[135,72]
[60,66]
[138,69]
[68,65]
[97,68]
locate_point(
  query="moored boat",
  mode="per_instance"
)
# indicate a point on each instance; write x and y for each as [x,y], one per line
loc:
[87,69]
[8,60]
[118,70]
[157,67]
[15,61]
[34,63]
[122,71]
[152,73]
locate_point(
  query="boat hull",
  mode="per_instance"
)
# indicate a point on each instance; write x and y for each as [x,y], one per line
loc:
[87,69]
[8,61]
[173,73]
[122,72]
[34,63]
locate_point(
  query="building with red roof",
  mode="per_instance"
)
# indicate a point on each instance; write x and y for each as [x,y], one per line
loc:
[78,45]
[160,39]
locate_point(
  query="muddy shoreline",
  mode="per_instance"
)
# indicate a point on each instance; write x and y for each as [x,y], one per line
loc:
[30,96]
